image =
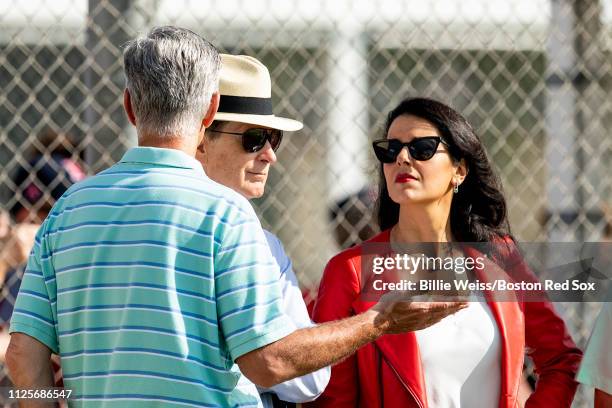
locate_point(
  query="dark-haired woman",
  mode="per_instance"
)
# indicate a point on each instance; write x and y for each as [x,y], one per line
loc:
[437,185]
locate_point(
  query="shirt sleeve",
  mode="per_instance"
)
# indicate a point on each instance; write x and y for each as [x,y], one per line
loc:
[249,302]
[310,386]
[34,308]
[596,367]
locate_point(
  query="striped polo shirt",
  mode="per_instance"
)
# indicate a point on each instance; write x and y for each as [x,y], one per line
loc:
[149,280]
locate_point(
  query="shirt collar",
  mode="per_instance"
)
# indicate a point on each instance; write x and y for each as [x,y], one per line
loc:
[163,157]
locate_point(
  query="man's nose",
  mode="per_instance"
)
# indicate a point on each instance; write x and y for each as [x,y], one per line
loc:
[267,154]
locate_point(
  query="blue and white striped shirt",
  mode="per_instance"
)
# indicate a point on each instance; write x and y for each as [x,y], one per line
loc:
[149,280]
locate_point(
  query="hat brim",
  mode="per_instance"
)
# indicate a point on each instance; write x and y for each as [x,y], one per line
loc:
[271,121]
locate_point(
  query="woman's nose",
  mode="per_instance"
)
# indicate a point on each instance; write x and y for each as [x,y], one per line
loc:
[403,156]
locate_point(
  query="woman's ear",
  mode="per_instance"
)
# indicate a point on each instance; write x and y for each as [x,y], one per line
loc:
[461,172]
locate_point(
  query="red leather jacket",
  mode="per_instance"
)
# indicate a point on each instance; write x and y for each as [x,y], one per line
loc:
[388,372]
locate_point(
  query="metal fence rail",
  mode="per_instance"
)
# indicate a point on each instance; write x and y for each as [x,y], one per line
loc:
[532,76]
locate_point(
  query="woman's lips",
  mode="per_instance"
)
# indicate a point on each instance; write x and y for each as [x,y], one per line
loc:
[404,178]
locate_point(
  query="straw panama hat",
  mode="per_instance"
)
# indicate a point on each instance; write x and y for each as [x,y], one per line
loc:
[246,94]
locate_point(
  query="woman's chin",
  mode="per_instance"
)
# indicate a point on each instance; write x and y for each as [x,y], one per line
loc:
[407,197]
[411,197]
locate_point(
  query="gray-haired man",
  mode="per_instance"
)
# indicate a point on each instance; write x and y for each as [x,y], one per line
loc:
[150,280]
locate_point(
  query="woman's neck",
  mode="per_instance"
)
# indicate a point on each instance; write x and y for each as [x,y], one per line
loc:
[422,224]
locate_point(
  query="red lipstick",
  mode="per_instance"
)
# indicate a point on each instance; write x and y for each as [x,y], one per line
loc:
[404,178]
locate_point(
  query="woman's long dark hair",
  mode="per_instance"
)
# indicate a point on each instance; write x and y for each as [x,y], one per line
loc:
[478,211]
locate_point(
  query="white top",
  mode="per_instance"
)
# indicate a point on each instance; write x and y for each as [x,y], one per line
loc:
[309,386]
[596,367]
[461,359]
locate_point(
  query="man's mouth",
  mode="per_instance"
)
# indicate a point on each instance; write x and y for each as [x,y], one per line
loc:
[256,173]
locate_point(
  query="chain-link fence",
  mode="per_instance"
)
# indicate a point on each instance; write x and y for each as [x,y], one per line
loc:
[533,77]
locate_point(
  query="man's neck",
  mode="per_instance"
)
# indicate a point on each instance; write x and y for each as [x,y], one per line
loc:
[168,142]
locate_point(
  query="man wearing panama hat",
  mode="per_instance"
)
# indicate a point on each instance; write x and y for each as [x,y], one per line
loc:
[239,148]
[237,151]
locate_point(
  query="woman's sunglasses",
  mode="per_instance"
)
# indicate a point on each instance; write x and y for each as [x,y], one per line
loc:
[254,139]
[420,148]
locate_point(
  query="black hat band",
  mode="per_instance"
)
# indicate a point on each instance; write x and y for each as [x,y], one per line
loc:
[245,104]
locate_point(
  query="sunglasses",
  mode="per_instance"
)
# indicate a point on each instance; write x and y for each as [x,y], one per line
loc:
[254,139]
[421,148]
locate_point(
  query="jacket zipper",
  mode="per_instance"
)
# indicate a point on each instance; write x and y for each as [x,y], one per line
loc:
[412,393]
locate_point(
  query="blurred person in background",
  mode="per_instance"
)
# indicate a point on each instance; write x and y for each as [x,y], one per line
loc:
[38,185]
[438,186]
[596,368]
[352,218]
[238,151]
[51,168]
[16,240]
[52,163]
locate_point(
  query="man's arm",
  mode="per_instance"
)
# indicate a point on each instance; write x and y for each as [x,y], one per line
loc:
[29,364]
[259,336]
[32,329]
[307,350]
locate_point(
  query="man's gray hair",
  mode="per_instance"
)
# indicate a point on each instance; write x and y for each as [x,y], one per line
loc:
[171,76]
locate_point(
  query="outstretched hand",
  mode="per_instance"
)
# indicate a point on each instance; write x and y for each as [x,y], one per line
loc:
[399,314]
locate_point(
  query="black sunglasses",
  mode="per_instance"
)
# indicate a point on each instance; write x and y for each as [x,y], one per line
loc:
[420,148]
[254,139]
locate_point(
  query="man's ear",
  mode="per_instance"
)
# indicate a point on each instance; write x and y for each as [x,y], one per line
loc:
[212,110]
[201,148]
[127,105]
[202,151]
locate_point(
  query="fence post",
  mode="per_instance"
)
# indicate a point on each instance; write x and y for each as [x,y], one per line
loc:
[348,139]
[592,95]
[560,121]
[110,24]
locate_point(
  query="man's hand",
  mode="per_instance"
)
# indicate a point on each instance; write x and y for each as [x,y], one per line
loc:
[396,314]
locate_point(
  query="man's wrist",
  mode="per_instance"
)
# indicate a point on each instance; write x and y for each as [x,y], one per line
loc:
[379,322]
